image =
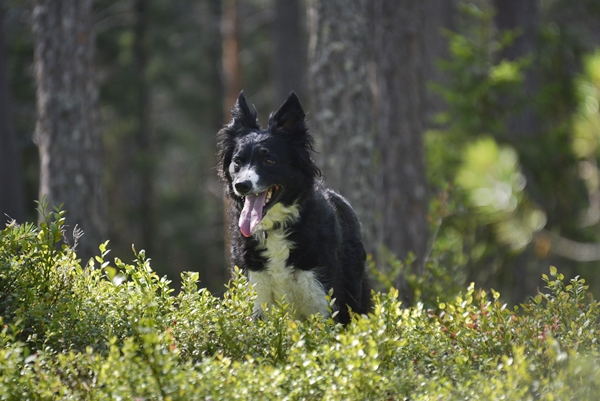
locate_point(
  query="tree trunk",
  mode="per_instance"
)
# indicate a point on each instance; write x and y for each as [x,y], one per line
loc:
[289,64]
[231,85]
[144,143]
[67,130]
[521,15]
[342,118]
[11,178]
[231,70]
[523,125]
[402,200]
[368,92]
[440,14]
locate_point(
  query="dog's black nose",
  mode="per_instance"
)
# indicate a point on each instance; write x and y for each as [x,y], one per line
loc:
[243,187]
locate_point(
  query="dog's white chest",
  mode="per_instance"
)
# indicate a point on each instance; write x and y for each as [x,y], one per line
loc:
[300,288]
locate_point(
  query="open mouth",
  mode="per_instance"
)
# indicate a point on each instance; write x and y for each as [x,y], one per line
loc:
[270,193]
[255,208]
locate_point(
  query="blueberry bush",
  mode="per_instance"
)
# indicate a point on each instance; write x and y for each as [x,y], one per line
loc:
[115,330]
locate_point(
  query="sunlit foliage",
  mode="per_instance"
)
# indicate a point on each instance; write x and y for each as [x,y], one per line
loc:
[114,330]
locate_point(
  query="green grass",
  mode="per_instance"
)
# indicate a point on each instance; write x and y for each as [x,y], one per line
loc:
[116,331]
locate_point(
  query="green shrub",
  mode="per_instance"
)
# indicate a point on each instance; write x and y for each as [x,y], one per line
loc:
[114,330]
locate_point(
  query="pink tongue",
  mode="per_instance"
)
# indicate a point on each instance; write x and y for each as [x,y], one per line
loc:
[252,213]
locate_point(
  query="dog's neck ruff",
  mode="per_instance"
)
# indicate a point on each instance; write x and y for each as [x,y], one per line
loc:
[300,288]
[279,216]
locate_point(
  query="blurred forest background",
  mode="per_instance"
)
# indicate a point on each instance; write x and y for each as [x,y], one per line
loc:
[464,133]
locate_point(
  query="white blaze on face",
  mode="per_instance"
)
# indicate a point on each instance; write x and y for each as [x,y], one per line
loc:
[246,174]
[252,177]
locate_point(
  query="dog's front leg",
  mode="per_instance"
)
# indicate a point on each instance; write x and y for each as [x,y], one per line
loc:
[259,312]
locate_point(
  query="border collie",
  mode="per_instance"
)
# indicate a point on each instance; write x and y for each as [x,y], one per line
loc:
[292,235]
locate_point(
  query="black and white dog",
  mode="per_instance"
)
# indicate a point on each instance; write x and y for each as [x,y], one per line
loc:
[289,232]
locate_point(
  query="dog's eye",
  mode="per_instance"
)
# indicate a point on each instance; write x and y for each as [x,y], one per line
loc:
[236,161]
[269,161]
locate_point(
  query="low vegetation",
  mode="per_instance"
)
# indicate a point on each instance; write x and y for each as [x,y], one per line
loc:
[113,330]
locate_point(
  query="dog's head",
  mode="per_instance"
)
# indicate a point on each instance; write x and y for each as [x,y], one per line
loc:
[264,167]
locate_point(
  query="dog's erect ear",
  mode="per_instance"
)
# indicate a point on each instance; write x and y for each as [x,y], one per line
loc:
[290,115]
[288,122]
[242,117]
[241,114]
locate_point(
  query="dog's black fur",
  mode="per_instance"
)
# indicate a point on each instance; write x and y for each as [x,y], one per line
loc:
[324,237]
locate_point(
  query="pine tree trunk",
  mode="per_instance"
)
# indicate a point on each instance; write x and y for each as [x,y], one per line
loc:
[231,86]
[523,125]
[367,68]
[342,117]
[402,192]
[231,70]
[289,64]
[143,138]
[440,15]
[67,131]
[11,177]
[521,15]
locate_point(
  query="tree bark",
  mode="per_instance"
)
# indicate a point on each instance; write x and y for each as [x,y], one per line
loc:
[523,125]
[440,14]
[367,68]
[231,70]
[11,178]
[231,85]
[67,131]
[402,198]
[521,15]
[342,118]
[289,64]
[144,143]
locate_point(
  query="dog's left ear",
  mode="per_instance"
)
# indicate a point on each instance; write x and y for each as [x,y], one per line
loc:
[289,122]
[289,116]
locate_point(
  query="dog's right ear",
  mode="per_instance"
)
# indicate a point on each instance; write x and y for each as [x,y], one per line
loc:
[243,119]
[242,116]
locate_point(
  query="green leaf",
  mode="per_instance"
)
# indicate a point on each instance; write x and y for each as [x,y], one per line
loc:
[110,272]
